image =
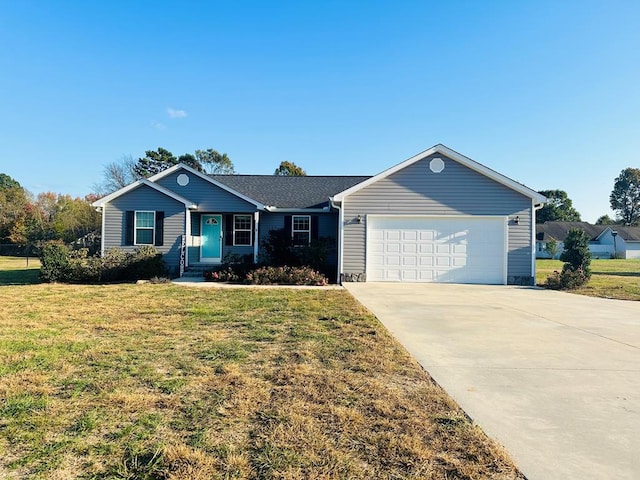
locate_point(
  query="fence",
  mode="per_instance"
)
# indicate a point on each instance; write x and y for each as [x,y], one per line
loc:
[13,250]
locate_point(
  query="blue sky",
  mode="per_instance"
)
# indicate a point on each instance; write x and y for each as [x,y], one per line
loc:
[545,92]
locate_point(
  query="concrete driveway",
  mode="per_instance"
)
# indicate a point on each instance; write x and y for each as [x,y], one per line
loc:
[552,376]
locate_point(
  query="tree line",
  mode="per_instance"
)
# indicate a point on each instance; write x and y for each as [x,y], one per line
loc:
[25,219]
[624,201]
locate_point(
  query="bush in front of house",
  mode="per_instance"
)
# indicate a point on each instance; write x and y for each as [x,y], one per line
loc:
[59,263]
[241,269]
[234,269]
[278,250]
[286,276]
[144,263]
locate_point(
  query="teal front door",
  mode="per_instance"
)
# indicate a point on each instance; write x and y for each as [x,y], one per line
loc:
[211,236]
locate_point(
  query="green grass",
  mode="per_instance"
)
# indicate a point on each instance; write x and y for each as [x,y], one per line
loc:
[162,381]
[610,278]
[19,270]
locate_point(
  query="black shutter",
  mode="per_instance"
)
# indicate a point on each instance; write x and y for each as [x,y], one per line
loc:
[315,227]
[228,230]
[288,226]
[129,225]
[159,237]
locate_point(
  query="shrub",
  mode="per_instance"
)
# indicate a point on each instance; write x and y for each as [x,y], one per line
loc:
[83,268]
[278,250]
[234,268]
[145,262]
[568,279]
[61,264]
[286,276]
[226,274]
[54,262]
[576,271]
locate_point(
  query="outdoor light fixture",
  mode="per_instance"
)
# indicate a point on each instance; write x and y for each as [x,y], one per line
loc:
[359,218]
[516,220]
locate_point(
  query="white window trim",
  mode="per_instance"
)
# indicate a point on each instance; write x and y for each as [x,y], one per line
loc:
[135,227]
[250,230]
[294,231]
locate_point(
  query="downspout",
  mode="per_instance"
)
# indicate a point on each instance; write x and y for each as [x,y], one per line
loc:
[340,236]
[533,239]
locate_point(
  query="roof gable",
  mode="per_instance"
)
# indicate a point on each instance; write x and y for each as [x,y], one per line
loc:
[453,155]
[628,234]
[210,179]
[138,183]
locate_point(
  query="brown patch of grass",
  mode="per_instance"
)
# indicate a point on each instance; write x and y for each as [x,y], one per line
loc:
[163,382]
[613,278]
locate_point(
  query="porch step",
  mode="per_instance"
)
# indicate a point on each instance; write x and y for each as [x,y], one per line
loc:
[195,270]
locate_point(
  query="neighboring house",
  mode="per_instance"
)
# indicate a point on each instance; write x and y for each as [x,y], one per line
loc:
[601,239]
[436,217]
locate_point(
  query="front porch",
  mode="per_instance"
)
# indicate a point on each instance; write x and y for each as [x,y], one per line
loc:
[214,236]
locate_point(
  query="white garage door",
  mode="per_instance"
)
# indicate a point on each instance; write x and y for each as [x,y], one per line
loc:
[436,249]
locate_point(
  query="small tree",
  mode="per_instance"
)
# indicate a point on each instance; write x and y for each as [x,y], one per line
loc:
[551,248]
[577,257]
[576,254]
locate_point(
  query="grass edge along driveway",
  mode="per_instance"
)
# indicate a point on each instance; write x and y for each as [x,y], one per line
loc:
[610,278]
[162,381]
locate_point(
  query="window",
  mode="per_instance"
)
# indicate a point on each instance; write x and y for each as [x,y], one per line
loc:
[242,229]
[301,230]
[145,228]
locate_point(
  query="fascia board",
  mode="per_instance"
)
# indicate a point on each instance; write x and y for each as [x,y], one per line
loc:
[139,183]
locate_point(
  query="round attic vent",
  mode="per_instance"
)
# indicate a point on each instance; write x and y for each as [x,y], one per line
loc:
[436,165]
[183,180]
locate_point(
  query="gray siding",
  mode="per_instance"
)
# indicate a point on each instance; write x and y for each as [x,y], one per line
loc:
[457,190]
[146,198]
[206,195]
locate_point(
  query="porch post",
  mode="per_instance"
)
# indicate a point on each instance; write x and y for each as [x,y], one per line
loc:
[256,239]
[187,236]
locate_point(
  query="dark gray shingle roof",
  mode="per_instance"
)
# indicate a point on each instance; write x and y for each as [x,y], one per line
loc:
[289,192]
[559,230]
[629,234]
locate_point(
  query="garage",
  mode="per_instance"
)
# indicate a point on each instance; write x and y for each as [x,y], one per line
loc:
[457,249]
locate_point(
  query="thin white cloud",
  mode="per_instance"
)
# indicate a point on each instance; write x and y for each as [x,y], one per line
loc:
[157,125]
[173,113]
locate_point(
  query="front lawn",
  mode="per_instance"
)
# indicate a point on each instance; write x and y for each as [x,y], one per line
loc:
[610,278]
[19,270]
[162,381]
